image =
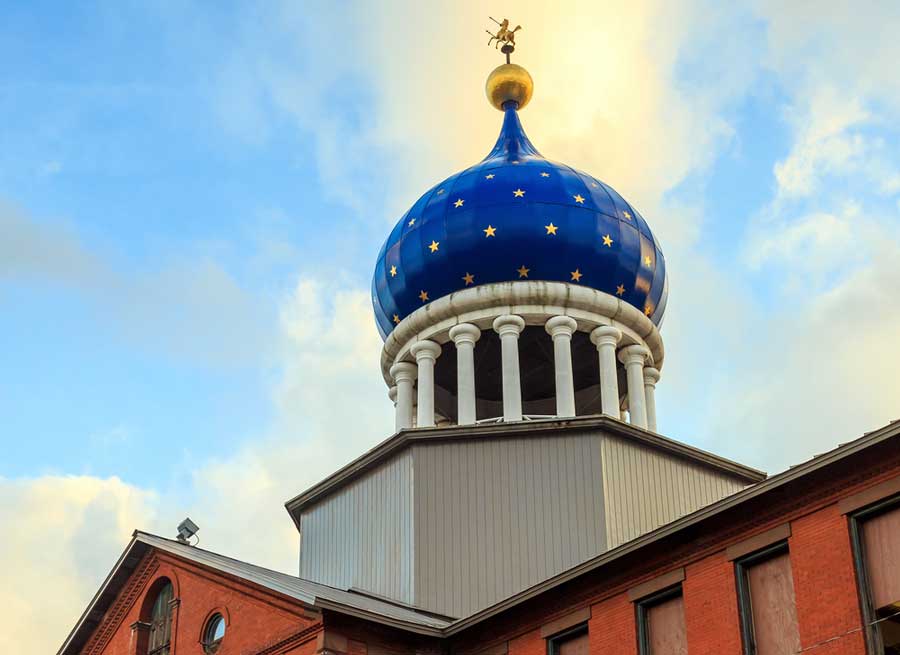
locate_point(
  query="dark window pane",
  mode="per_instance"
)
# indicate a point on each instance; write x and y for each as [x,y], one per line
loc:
[577,645]
[161,622]
[215,631]
[772,606]
[881,538]
[881,549]
[666,629]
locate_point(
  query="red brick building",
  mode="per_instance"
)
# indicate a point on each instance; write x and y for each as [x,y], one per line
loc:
[805,561]
[527,504]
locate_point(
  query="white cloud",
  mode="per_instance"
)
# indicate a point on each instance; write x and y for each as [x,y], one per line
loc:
[824,142]
[816,327]
[61,537]
[820,373]
[332,406]
[65,533]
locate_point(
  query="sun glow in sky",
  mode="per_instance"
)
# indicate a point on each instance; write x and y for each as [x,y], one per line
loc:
[192,198]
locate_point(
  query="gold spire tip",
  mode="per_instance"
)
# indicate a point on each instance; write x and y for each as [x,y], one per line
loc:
[508,82]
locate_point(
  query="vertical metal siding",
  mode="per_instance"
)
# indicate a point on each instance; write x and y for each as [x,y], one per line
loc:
[645,488]
[362,536]
[456,526]
[494,517]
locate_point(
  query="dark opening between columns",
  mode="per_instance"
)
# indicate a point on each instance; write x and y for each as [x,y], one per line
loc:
[536,370]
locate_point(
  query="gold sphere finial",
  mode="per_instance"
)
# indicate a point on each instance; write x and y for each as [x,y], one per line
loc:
[509,82]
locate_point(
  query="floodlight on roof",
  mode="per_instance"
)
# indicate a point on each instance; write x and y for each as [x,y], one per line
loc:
[186,529]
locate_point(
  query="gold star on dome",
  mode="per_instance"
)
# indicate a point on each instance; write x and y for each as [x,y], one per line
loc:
[468,278]
[516,161]
[518,193]
[489,176]
[440,191]
[620,290]
[393,271]
[489,231]
[459,203]
[626,215]
[412,222]
[396,319]
[576,275]
[434,245]
[423,296]
[607,241]
[579,199]
[551,229]
[647,260]
[545,174]
[523,272]
[648,310]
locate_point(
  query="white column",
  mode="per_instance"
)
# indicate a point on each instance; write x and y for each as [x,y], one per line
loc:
[508,327]
[651,377]
[403,374]
[561,328]
[425,352]
[606,338]
[633,357]
[464,336]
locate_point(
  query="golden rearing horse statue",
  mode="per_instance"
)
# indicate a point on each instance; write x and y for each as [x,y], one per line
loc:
[504,34]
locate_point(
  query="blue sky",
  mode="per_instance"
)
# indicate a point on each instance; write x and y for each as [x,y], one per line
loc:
[192,197]
[127,158]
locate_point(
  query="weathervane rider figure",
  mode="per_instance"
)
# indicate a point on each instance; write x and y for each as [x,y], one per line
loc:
[505,36]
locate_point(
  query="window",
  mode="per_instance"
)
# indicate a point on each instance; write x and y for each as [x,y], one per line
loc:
[161,622]
[570,642]
[213,633]
[876,545]
[660,620]
[766,602]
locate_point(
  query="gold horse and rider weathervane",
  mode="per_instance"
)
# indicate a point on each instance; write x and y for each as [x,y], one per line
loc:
[504,35]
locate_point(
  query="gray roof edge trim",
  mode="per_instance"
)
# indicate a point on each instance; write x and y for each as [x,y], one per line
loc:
[100,591]
[404,438]
[405,606]
[272,581]
[889,431]
[153,540]
[359,613]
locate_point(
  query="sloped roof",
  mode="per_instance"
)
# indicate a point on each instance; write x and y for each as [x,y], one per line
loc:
[306,591]
[309,593]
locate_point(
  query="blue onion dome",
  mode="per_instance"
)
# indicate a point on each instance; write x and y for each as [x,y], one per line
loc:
[516,216]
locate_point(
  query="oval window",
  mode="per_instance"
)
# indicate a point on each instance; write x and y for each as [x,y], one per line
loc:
[214,633]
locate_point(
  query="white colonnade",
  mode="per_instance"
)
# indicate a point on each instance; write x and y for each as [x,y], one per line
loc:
[640,374]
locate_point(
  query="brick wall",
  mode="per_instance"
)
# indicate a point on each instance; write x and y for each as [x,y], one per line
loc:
[825,584]
[530,643]
[255,619]
[612,627]
[710,606]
